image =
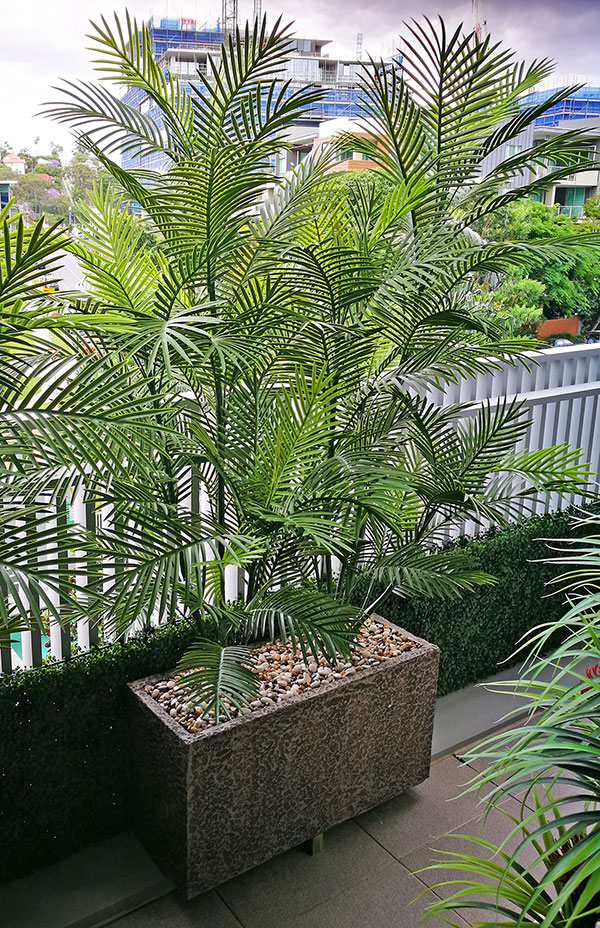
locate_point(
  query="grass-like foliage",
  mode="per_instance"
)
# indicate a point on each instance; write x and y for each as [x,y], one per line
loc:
[270,358]
[552,876]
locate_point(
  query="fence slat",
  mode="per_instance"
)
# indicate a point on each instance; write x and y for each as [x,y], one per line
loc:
[90,526]
[63,558]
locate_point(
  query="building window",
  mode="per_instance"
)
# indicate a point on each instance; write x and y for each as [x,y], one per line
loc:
[513,150]
[346,155]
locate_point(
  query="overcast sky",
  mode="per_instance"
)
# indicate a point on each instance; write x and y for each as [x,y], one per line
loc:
[41,42]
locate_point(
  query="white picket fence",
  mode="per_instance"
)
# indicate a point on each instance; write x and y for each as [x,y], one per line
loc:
[561,389]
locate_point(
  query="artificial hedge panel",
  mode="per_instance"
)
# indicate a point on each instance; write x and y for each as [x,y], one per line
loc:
[63,751]
[63,757]
[480,630]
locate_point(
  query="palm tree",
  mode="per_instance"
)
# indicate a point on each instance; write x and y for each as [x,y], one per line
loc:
[271,359]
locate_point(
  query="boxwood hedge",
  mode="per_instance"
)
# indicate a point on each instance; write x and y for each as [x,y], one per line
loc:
[63,747]
[480,631]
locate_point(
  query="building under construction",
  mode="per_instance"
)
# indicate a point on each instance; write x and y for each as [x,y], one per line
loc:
[184,48]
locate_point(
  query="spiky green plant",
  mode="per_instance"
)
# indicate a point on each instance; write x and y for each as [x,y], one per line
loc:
[552,878]
[272,357]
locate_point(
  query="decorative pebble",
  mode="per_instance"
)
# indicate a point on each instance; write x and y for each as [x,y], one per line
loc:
[283,674]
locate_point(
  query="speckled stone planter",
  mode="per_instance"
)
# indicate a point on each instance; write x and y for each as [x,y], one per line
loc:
[213,804]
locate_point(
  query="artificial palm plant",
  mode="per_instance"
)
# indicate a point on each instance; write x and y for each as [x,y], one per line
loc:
[246,405]
[552,877]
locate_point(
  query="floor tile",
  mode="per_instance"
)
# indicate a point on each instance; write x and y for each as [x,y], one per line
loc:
[206,911]
[294,882]
[524,794]
[494,828]
[412,819]
[86,889]
[468,714]
[384,900]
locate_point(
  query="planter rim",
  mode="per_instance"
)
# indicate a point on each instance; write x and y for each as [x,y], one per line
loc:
[289,705]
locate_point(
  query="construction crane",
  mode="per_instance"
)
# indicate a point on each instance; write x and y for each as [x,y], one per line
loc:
[229,18]
[479,23]
[359,46]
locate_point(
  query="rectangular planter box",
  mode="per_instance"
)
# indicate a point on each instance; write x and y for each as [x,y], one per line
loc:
[213,804]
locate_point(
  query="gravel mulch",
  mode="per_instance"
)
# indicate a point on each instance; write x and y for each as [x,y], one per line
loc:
[283,674]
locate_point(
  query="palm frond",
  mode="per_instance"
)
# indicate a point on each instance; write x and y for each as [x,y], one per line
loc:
[220,677]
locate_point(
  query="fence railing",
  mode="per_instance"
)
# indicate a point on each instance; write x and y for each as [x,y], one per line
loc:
[560,387]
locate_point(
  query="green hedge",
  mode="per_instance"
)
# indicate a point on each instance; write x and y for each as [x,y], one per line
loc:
[479,631]
[63,757]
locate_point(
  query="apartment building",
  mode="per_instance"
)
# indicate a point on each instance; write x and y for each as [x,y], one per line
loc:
[17,164]
[5,191]
[348,159]
[581,111]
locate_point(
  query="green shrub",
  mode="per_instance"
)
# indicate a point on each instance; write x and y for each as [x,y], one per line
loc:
[577,339]
[63,762]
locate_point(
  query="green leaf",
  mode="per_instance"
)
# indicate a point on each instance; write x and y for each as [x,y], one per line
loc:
[218,677]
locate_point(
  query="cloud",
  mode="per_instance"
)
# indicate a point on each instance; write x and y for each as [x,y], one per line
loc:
[39,43]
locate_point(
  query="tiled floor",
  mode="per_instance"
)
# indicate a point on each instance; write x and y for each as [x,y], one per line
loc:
[364,878]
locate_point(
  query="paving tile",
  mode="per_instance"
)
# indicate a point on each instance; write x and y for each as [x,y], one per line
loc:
[87,889]
[412,819]
[383,900]
[481,764]
[471,713]
[206,911]
[494,828]
[524,794]
[294,882]
[519,794]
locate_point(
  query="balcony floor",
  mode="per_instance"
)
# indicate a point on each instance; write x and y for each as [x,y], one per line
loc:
[364,877]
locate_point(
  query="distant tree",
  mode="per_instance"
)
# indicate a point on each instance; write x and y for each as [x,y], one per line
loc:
[515,304]
[591,207]
[518,290]
[365,180]
[5,172]
[45,169]
[32,190]
[5,147]
[82,176]
[57,207]
[570,287]
[30,186]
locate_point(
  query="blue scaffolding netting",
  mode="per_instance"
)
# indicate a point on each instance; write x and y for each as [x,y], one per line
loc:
[581,104]
[336,103]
